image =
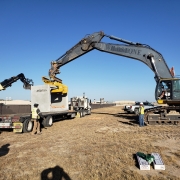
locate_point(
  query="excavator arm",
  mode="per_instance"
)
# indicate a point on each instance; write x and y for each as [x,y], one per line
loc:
[144,53]
[27,83]
[81,48]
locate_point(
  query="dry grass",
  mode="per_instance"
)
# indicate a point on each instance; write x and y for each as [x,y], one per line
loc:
[97,147]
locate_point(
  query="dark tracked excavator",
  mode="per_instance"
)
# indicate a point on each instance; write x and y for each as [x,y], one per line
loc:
[166,82]
[27,83]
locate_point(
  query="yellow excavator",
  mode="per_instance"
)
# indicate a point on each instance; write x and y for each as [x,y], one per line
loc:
[164,76]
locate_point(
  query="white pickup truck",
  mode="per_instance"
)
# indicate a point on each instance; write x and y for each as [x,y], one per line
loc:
[126,107]
[135,108]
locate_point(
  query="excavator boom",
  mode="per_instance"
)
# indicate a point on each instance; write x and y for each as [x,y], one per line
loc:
[27,83]
[144,53]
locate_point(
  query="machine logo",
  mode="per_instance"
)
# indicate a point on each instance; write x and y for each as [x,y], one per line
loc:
[123,49]
[41,90]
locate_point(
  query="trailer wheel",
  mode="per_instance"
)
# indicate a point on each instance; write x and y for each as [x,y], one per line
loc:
[43,122]
[89,112]
[27,126]
[48,122]
[81,113]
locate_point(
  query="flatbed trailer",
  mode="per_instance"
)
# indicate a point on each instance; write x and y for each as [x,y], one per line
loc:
[17,122]
[18,117]
[50,117]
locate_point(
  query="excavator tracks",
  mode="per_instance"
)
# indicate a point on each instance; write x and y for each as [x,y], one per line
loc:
[162,115]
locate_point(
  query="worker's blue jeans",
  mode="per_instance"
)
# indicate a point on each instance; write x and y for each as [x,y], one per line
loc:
[141,120]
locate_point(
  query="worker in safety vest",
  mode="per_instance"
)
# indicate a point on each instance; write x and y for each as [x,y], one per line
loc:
[141,114]
[36,114]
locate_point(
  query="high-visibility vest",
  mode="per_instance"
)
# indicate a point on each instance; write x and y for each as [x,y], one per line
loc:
[34,114]
[141,110]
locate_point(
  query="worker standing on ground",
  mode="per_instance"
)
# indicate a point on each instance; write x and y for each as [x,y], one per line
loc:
[141,114]
[36,114]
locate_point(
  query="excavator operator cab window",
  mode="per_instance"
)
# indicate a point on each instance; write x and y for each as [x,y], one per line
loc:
[168,89]
[163,90]
[176,89]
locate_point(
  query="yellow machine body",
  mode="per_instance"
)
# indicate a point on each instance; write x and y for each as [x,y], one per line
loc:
[59,86]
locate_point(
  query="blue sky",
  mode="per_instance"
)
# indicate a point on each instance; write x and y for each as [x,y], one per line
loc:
[35,32]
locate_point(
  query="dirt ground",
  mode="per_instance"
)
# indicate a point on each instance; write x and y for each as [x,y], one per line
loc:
[100,146]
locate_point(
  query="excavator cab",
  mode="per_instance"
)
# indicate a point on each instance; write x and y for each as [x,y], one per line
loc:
[168,91]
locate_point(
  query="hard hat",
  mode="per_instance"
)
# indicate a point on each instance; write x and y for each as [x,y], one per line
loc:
[36,104]
[141,103]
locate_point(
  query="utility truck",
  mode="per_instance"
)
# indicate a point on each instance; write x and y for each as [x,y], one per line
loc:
[81,105]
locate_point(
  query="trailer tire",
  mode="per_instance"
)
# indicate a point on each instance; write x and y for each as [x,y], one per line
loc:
[27,126]
[48,121]
[89,112]
[43,122]
[81,113]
